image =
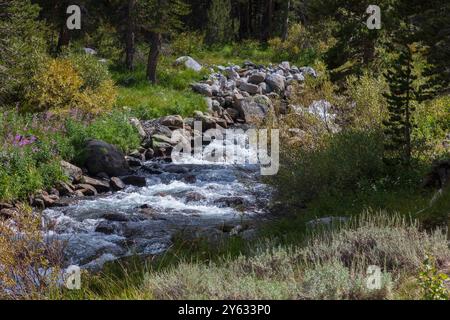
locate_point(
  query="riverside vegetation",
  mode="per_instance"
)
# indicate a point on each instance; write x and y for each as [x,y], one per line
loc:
[359,183]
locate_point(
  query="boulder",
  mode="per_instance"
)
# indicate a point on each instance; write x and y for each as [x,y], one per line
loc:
[137,181]
[248,87]
[99,185]
[203,89]
[189,63]
[137,124]
[87,189]
[65,189]
[254,109]
[104,157]
[276,82]
[117,183]
[73,172]
[172,122]
[257,78]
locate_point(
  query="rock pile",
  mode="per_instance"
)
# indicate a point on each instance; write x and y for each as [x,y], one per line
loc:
[245,94]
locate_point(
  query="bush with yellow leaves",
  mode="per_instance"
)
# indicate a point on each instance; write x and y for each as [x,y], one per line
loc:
[62,85]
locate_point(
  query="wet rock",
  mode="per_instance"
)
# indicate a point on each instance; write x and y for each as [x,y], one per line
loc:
[149,154]
[72,172]
[133,162]
[119,217]
[104,157]
[194,197]
[86,189]
[117,184]
[108,228]
[190,179]
[99,185]
[230,202]
[137,181]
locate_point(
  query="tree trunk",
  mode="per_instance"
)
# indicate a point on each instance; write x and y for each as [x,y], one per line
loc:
[130,35]
[155,49]
[267,20]
[64,37]
[286,20]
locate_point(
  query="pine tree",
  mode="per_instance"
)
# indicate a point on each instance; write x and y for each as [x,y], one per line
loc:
[220,25]
[155,18]
[399,126]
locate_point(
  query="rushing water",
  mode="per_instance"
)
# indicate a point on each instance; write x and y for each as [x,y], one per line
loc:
[194,196]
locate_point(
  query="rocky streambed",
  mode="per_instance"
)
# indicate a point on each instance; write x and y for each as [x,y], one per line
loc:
[196,200]
[118,206]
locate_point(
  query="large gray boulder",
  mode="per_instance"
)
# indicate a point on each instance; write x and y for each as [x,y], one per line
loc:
[189,63]
[248,87]
[255,109]
[257,78]
[203,89]
[276,82]
[102,157]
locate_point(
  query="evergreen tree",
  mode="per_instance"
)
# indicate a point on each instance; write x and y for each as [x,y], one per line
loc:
[220,25]
[155,18]
[399,126]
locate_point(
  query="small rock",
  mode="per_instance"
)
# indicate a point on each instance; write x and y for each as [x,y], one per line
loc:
[87,189]
[71,171]
[117,184]
[99,185]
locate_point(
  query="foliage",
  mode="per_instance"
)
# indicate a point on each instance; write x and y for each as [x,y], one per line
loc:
[187,43]
[432,282]
[29,156]
[60,87]
[329,266]
[220,24]
[400,124]
[301,46]
[369,108]
[345,161]
[22,47]
[30,264]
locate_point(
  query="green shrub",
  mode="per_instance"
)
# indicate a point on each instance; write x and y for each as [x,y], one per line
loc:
[113,128]
[92,72]
[432,282]
[187,44]
[369,106]
[343,162]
